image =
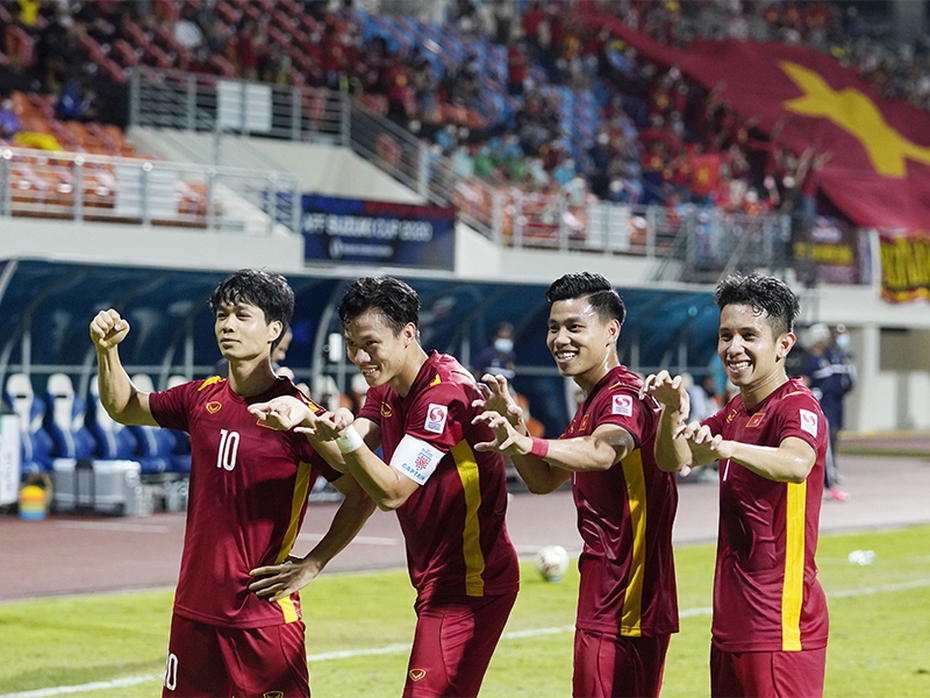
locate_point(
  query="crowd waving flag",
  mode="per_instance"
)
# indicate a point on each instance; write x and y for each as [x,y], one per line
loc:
[877,164]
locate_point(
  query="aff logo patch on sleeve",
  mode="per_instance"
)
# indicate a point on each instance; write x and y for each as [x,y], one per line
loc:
[416,458]
[809,422]
[623,405]
[436,416]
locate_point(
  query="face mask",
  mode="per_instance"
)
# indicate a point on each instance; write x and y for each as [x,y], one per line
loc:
[503,345]
[842,341]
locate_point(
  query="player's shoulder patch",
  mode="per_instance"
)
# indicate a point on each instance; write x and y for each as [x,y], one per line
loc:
[210,381]
[809,421]
[309,403]
[622,404]
[436,416]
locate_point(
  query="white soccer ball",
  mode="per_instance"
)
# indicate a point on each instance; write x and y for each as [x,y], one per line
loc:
[552,562]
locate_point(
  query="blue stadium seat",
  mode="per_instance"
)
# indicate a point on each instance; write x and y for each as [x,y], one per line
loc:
[115,441]
[65,419]
[37,445]
[156,445]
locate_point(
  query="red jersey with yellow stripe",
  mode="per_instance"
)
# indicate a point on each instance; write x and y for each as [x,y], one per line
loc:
[454,523]
[248,496]
[766,594]
[625,517]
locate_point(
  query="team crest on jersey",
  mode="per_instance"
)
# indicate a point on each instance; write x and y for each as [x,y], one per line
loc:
[756,419]
[436,416]
[622,405]
[214,407]
[808,422]
[417,674]
[386,410]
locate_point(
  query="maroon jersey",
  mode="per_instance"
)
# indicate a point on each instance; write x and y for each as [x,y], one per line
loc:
[248,495]
[625,517]
[453,524]
[766,594]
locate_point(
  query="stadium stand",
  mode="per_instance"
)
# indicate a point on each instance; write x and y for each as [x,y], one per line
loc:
[539,132]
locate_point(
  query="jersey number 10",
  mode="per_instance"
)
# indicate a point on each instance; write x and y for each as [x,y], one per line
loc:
[228,450]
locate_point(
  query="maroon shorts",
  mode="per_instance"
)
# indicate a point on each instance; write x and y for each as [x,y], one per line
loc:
[608,666]
[767,674]
[207,660]
[454,641]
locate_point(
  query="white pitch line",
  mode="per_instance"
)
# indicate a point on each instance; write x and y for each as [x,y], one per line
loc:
[399,648]
[364,540]
[120,527]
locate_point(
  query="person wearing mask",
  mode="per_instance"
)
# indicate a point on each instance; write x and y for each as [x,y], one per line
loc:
[829,375]
[498,359]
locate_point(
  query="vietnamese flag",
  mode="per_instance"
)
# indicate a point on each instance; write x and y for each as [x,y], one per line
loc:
[878,172]
[705,176]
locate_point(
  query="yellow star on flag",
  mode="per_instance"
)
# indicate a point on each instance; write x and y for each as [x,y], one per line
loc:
[858,115]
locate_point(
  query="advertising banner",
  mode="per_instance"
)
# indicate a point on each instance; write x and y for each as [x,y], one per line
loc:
[378,232]
[905,266]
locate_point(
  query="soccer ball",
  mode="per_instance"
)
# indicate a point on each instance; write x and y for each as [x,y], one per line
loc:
[552,562]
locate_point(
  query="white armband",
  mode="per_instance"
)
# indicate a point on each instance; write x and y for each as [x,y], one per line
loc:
[349,441]
[416,458]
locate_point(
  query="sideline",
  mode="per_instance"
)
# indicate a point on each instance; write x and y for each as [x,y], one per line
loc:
[400,648]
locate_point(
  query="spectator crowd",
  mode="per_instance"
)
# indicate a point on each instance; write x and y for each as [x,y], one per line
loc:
[518,93]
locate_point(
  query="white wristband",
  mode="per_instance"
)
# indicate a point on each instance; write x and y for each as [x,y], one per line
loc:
[350,440]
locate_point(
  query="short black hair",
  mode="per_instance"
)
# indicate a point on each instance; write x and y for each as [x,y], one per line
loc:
[601,295]
[267,291]
[764,294]
[393,298]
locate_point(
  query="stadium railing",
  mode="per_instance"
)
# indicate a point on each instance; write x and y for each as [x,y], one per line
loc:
[85,187]
[696,236]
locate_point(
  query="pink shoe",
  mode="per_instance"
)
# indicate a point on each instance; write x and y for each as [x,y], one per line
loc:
[836,494]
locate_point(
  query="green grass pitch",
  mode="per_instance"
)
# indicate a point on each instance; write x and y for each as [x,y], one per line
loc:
[360,625]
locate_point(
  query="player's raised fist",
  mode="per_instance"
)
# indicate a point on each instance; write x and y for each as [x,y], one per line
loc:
[108,329]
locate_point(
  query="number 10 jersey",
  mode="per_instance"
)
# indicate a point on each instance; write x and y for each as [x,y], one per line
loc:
[248,496]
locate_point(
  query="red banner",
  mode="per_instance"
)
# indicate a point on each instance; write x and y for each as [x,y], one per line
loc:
[878,171]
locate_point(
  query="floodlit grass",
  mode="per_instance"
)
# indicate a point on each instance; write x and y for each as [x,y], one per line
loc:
[880,622]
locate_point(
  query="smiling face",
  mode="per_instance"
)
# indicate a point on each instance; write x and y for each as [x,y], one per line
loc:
[754,359]
[242,332]
[381,355]
[583,343]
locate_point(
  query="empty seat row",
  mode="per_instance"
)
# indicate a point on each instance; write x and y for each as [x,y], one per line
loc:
[63,424]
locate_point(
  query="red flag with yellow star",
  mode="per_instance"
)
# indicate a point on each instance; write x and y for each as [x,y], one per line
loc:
[877,153]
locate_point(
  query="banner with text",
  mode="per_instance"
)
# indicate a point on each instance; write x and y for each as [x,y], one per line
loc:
[905,266]
[378,232]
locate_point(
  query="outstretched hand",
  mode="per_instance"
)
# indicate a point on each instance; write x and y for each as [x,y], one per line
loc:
[329,426]
[108,329]
[705,446]
[284,413]
[670,393]
[497,398]
[507,440]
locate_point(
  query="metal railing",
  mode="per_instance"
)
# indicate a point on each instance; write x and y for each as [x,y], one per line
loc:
[83,187]
[703,241]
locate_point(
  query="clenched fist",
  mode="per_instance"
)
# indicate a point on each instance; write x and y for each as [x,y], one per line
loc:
[108,329]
